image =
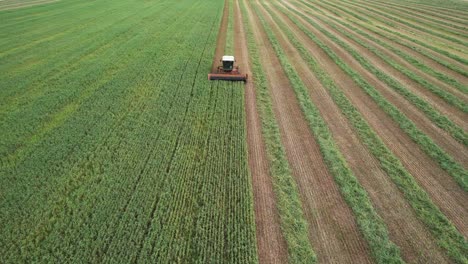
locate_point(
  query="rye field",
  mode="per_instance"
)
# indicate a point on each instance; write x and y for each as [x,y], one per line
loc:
[347,144]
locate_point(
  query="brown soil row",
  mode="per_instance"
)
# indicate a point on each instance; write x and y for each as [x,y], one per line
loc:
[441,137]
[270,242]
[411,236]
[440,186]
[428,61]
[221,40]
[448,45]
[333,231]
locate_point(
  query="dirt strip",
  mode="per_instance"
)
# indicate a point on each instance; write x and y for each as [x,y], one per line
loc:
[333,231]
[440,186]
[440,137]
[271,245]
[411,236]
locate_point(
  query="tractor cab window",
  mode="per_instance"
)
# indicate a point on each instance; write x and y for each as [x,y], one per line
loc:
[228,65]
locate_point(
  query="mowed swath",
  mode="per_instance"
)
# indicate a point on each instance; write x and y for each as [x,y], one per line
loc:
[347,144]
[116,146]
[393,115]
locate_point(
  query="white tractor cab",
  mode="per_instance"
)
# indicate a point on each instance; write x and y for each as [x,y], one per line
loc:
[227,71]
[228,63]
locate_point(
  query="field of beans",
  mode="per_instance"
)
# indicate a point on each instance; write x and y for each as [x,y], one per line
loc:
[347,144]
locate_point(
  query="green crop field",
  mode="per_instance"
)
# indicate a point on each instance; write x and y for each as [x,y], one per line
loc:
[348,143]
[115,147]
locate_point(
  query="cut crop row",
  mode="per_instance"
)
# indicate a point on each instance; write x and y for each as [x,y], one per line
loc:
[391,20]
[435,152]
[292,220]
[399,37]
[436,117]
[371,225]
[446,234]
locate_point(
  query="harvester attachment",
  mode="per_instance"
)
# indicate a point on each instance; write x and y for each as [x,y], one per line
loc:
[228,72]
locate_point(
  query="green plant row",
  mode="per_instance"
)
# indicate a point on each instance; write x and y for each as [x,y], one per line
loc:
[449,6]
[396,14]
[393,18]
[429,12]
[443,230]
[401,36]
[417,13]
[418,64]
[293,224]
[371,225]
[424,44]
[444,160]
[439,119]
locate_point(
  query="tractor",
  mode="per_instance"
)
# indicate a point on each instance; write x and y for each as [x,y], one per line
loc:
[227,71]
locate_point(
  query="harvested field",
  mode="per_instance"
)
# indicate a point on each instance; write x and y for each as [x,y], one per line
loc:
[383,90]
